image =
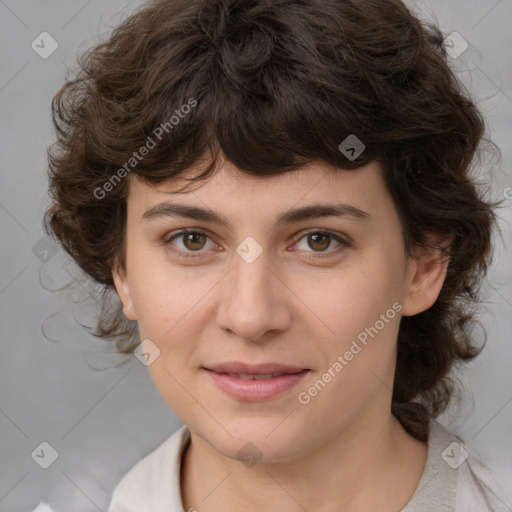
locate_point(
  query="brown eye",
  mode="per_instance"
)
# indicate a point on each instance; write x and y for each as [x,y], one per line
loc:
[194,241]
[188,243]
[319,241]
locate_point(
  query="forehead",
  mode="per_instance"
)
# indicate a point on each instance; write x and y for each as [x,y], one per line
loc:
[234,200]
[230,188]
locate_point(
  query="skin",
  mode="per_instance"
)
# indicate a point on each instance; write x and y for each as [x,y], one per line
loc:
[344,450]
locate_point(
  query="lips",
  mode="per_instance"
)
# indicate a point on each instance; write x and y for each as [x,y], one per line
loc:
[244,370]
[249,376]
[254,383]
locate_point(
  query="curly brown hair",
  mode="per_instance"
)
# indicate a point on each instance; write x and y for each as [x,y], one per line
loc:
[273,86]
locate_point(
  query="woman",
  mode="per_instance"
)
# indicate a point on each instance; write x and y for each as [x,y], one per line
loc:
[279,194]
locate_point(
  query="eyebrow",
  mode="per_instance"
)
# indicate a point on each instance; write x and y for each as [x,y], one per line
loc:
[314,211]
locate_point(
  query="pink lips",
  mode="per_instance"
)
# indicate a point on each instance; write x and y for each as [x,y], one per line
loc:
[240,380]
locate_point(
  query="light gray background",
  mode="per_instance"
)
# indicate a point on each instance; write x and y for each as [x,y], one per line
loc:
[102,416]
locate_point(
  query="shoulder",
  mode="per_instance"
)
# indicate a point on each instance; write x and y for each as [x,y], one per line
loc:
[153,482]
[481,487]
[455,479]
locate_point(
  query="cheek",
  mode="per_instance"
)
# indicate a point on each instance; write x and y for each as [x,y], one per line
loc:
[362,311]
[172,306]
[165,306]
[354,298]
[169,310]
[361,306]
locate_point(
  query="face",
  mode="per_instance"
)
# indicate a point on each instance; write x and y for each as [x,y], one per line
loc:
[322,294]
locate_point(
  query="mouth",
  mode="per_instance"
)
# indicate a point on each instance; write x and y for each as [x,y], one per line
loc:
[249,376]
[255,384]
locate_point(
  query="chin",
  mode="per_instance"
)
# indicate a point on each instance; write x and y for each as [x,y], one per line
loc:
[262,439]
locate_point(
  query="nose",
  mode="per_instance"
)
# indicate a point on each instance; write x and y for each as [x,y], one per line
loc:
[255,301]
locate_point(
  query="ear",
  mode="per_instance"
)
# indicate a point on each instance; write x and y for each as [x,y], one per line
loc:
[123,291]
[426,275]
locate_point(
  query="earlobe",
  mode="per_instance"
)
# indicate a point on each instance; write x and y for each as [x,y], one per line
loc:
[123,291]
[427,273]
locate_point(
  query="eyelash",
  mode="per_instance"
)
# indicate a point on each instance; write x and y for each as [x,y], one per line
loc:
[190,254]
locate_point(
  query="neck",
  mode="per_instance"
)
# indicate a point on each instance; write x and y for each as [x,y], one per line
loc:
[354,469]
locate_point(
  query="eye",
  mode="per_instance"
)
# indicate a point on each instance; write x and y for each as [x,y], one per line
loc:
[320,241]
[193,240]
